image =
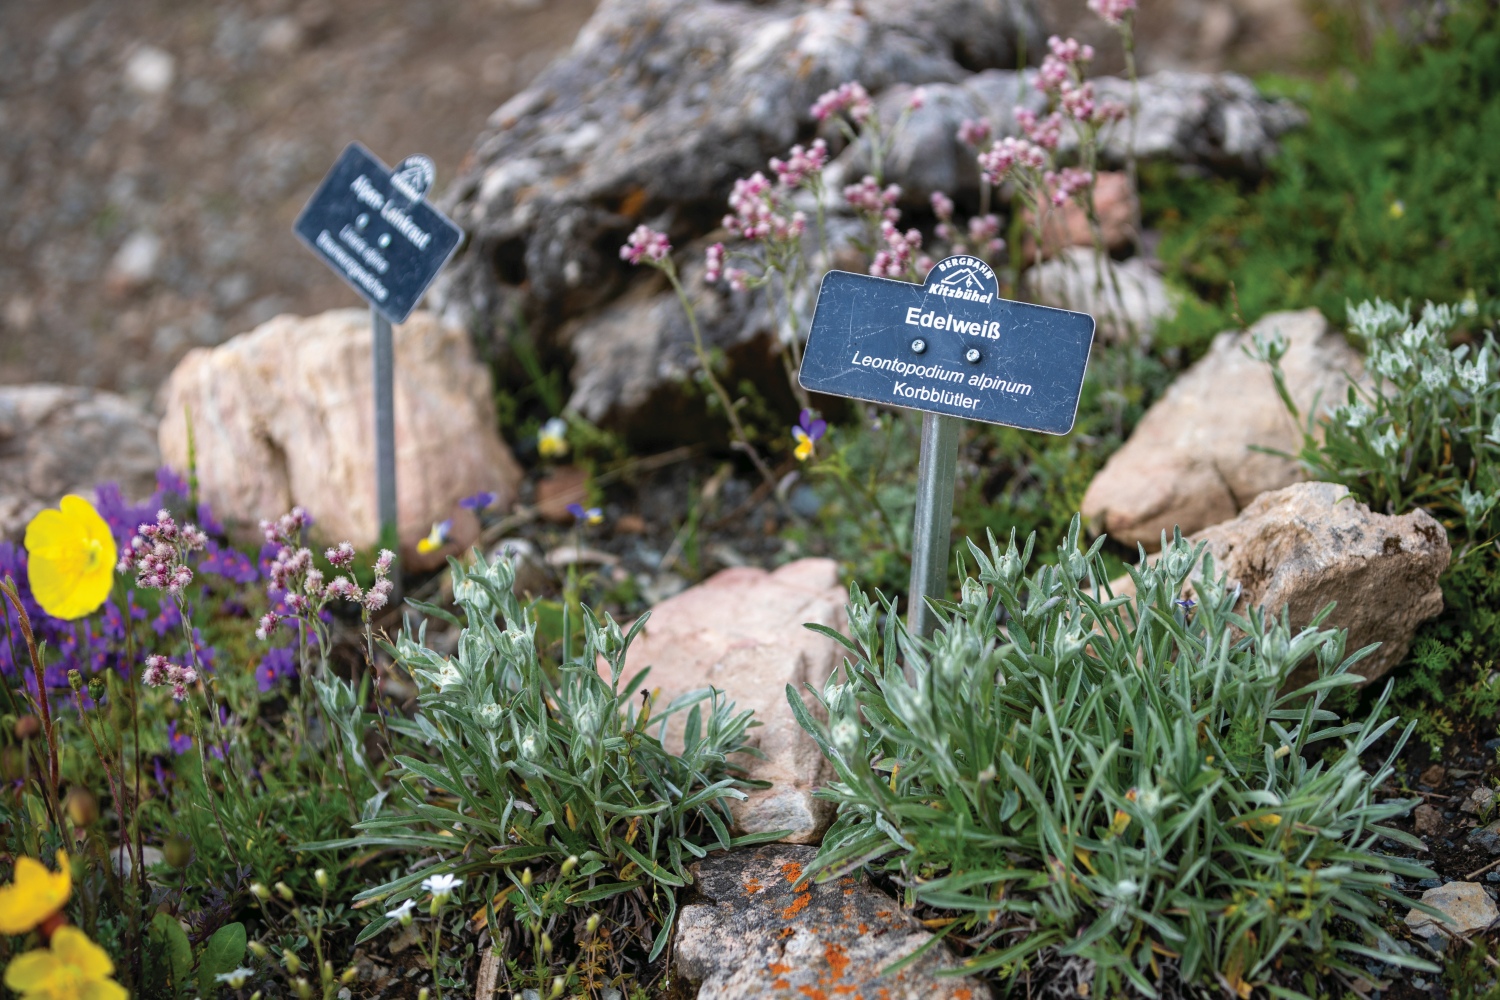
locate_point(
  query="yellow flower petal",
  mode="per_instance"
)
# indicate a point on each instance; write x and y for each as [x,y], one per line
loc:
[73,948]
[35,894]
[32,972]
[75,968]
[70,559]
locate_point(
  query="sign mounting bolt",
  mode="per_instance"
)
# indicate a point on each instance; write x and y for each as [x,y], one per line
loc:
[918,346]
[972,355]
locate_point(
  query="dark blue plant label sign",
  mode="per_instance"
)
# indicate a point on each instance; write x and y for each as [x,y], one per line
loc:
[950,345]
[375,229]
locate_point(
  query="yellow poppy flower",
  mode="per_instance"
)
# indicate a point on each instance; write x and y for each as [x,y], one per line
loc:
[70,559]
[74,968]
[35,895]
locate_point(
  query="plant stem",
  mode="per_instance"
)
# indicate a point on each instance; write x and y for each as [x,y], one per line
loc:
[741,437]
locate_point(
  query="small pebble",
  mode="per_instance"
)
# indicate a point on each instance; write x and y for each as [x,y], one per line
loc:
[1430,883]
[1492,877]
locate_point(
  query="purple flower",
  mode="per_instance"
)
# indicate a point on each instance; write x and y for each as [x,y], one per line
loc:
[170,483]
[808,430]
[207,521]
[178,743]
[278,664]
[122,516]
[168,620]
[590,515]
[229,563]
[478,501]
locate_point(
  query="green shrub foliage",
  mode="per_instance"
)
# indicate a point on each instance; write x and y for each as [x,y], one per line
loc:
[1119,779]
[1392,189]
[550,790]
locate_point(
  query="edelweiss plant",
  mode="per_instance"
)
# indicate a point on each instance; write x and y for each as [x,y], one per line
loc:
[1423,432]
[551,791]
[1117,784]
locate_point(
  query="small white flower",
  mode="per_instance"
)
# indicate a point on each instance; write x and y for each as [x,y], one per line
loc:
[489,715]
[441,886]
[448,676]
[235,978]
[1386,444]
[402,913]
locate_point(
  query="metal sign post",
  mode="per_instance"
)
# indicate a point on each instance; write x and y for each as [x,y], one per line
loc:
[932,529]
[952,348]
[373,226]
[385,427]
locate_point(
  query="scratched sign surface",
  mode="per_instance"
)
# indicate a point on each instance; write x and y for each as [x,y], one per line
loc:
[949,346]
[375,229]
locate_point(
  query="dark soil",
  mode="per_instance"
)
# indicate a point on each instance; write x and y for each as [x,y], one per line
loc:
[262,96]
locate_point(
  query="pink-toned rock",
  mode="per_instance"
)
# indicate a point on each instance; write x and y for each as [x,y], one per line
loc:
[284,415]
[741,631]
[1191,461]
[1068,225]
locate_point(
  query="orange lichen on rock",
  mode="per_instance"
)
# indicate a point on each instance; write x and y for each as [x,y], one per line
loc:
[864,928]
[837,958]
[798,904]
[812,993]
[752,886]
[792,871]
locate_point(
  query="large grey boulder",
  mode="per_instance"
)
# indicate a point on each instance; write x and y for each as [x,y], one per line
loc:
[1310,544]
[760,936]
[59,439]
[659,106]
[1215,121]
[1192,460]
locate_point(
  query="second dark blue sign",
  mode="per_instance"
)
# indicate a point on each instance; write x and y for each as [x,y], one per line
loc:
[949,346]
[375,229]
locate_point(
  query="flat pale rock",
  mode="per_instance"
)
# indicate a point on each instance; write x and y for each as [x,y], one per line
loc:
[741,631]
[758,938]
[285,415]
[1309,544]
[1190,462]
[60,439]
[1468,906]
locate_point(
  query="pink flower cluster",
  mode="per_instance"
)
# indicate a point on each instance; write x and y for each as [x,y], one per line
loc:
[713,263]
[757,215]
[1045,132]
[1009,154]
[974,133]
[800,164]
[1067,183]
[900,252]
[942,206]
[848,98]
[302,584]
[984,233]
[1063,64]
[158,554]
[868,197]
[161,671]
[646,244]
[1112,11]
